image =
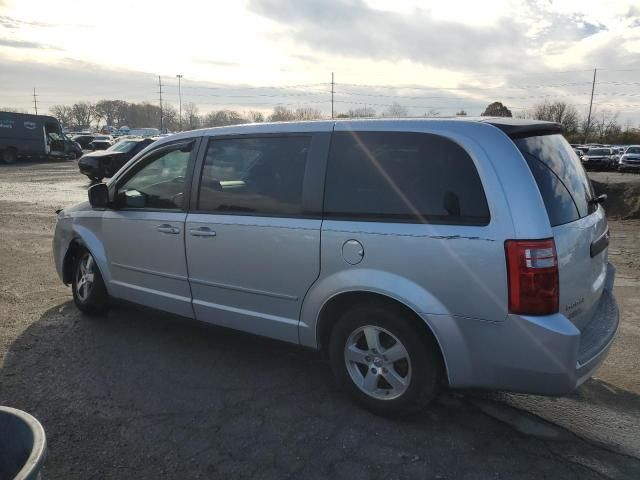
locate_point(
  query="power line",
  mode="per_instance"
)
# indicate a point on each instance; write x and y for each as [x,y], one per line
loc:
[281,87]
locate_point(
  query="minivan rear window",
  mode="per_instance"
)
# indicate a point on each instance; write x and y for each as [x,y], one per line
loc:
[562,181]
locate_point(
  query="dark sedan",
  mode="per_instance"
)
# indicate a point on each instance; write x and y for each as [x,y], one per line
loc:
[83,140]
[104,163]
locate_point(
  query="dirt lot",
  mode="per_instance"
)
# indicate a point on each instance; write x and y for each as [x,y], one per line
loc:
[141,394]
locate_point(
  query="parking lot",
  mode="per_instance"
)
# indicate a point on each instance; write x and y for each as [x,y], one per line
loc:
[136,393]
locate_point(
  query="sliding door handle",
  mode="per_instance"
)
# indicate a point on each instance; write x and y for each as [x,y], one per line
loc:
[202,232]
[166,228]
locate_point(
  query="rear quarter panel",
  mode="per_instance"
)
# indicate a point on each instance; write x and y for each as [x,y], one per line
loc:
[436,270]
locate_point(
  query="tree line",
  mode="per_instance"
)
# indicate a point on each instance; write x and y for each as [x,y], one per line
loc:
[602,127]
[118,113]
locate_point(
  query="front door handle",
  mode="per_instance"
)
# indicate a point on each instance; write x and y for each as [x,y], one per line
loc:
[202,232]
[166,228]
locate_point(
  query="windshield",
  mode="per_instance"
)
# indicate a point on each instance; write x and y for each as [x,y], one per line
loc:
[599,151]
[123,147]
[633,150]
[562,181]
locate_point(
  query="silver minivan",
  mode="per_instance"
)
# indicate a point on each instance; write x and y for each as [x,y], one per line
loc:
[416,253]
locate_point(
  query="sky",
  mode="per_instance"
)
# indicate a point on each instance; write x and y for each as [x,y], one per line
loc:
[431,57]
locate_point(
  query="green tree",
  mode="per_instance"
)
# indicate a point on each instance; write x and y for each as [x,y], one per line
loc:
[496,109]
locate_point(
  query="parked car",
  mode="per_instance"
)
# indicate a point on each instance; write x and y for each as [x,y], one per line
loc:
[467,251]
[100,145]
[74,147]
[630,159]
[83,139]
[33,136]
[101,142]
[599,158]
[105,163]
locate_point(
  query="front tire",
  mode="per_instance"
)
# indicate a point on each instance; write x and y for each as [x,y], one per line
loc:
[89,292]
[9,155]
[381,358]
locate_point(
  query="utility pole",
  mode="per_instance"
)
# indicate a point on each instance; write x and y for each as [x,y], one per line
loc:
[35,100]
[593,86]
[180,97]
[332,92]
[160,91]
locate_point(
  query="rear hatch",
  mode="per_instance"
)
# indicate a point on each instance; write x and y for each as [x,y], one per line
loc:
[578,222]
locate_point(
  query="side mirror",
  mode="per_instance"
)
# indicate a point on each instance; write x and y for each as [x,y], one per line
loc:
[99,195]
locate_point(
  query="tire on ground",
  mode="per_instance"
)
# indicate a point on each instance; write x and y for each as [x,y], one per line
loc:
[9,155]
[97,299]
[425,363]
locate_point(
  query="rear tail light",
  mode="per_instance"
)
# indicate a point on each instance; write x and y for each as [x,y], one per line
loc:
[532,269]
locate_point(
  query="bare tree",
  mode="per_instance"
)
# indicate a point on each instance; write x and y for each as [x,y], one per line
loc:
[82,114]
[62,113]
[111,111]
[559,112]
[307,113]
[282,114]
[255,116]
[396,110]
[461,113]
[170,117]
[362,112]
[605,125]
[190,115]
[223,117]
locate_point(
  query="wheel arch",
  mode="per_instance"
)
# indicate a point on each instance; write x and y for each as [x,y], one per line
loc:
[334,306]
[83,238]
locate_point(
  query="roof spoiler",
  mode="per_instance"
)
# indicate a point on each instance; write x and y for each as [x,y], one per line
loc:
[533,129]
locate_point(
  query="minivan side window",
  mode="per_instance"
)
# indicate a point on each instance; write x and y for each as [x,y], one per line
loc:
[403,177]
[254,175]
[159,184]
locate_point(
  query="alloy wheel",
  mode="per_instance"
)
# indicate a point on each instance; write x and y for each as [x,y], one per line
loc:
[377,362]
[85,276]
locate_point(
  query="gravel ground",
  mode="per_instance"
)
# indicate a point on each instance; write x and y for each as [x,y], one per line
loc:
[136,393]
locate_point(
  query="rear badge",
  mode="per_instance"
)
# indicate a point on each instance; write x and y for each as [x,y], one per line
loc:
[571,307]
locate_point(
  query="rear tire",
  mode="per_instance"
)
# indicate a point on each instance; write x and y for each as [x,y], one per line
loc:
[89,293]
[9,155]
[381,358]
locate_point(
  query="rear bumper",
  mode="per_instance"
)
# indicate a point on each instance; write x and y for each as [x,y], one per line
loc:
[90,166]
[544,355]
[597,164]
[629,166]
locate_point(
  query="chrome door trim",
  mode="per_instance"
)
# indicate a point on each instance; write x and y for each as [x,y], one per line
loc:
[251,313]
[207,283]
[150,272]
[152,291]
